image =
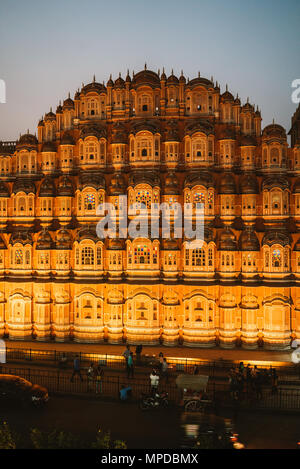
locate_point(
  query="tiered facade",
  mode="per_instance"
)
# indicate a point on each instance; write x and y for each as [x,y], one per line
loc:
[154,139]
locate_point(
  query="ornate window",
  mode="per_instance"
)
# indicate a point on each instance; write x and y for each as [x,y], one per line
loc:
[87,256]
[89,202]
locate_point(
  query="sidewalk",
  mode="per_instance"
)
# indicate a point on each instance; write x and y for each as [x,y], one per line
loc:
[237,355]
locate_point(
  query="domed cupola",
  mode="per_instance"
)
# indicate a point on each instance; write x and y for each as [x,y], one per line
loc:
[182,78]
[87,232]
[63,240]
[248,141]
[274,130]
[248,184]
[47,188]
[170,244]
[27,141]
[24,185]
[172,79]
[146,77]
[248,241]
[91,179]
[119,83]
[116,244]
[22,237]
[296,188]
[50,116]
[67,139]
[68,103]
[117,184]
[128,79]
[171,184]
[49,147]
[226,97]
[4,192]
[65,187]
[227,184]
[94,87]
[275,181]
[276,237]
[44,241]
[227,240]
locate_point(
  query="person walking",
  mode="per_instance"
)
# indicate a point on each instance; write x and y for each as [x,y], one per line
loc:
[99,379]
[165,369]
[90,376]
[76,369]
[161,359]
[154,382]
[126,354]
[138,352]
[130,366]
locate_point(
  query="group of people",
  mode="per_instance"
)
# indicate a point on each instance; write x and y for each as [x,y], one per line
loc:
[94,375]
[244,379]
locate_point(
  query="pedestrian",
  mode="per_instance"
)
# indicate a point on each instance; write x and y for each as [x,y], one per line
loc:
[164,369]
[126,354]
[90,375]
[62,361]
[154,382]
[125,393]
[138,352]
[99,378]
[274,381]
[76,369]
[130,367]
[160,358]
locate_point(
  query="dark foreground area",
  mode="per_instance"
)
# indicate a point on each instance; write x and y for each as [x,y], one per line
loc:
[160,429]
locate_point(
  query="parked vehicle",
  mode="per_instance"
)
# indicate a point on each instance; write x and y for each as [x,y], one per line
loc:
[194,397]
[157,400]
[16,388]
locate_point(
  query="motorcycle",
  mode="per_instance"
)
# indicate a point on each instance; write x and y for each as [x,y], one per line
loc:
[154,401]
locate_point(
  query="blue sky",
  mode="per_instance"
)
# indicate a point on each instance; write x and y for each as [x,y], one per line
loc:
[49,48]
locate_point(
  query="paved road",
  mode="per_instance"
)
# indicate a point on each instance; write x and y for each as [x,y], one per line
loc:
[155,430]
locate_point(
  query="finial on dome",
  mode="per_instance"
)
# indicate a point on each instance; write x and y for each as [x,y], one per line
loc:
[82,85]
[182,73]
[248,99]
[50,108]
[172,72]
[94,78]
[69,95]
[273,121]
[226,87]
[119,74]
[145,66]
[198,74]
[28,131]
[60,102]
[212,79]
[158,72]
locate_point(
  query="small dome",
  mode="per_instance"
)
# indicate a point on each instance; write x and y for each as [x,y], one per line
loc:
[182,78]
[65,187]
[117,184]
[296,188]
[23,185]
[247,107]
[297,245]
[50,116]
[67,139]
[110,82]
[227,240]
[146,77]
[170,245]
[116,244]
[63,240]
[44,241]
[119,83]
[41,123]
[275,181]
[23,237]
[128,79]
[227,97]
[68,103]
[49,147]
[227,184]
[27,140]
[59,109]
[94,87]
[276,237]
[248,184]
[248,241]
[200,81]
[87,232]
[91,179]
[172,80]
[248,141]
[274,130]
[172,184]
[47,188]
[4,192]
[199,178]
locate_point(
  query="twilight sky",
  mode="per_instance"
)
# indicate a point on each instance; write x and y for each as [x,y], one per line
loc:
[48,48]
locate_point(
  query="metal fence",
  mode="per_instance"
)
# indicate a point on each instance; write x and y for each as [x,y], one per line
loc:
[180,364]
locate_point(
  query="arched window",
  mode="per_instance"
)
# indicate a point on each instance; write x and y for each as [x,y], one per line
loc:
[89,201]
[87,256]
[276,258]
